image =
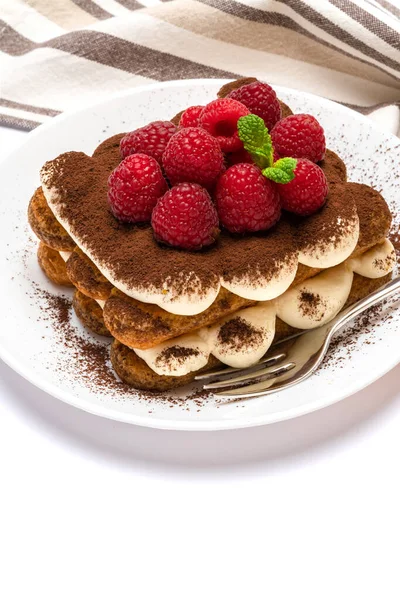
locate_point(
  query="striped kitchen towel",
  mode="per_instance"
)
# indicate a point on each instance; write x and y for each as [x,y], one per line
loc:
[58,55]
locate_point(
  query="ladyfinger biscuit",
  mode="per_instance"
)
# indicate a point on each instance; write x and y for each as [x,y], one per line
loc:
[53,265]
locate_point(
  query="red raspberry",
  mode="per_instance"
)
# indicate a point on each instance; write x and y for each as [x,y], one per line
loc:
[220,118]
[191,117]
[241,156]
[150,139]
[134,188]
[246,200]
[299,136]
[185,217]
[306,193]
[193,155]
[261,100]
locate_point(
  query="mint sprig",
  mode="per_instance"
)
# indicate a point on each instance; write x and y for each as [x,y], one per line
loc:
[282,170]
[256,140]
[258,143]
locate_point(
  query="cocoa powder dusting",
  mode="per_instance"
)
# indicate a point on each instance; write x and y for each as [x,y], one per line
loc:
[395,236]
[131,253]
[344,344]
[90,357]
[87,361]
[175,354]
[333,167]
[237,334]
[141,259]
[384,263]
[312,305]
[333,221]
[373,213]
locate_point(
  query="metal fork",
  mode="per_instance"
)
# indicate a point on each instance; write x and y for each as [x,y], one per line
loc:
[290,361]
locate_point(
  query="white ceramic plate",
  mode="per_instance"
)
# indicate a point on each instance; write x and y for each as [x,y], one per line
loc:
[33,346]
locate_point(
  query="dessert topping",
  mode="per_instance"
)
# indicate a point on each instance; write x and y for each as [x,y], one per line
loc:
[307,192]
[299,136]
[258,143]
[151,139]
[134,188]
[191,116]
[261,100]
[301,184]
[220,119]
[239,333]
[194,156]
[241,156]
[249,195]
[185,217]
[247,201]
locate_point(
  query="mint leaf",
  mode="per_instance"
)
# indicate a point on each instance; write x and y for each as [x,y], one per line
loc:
[256,140]
[282,170]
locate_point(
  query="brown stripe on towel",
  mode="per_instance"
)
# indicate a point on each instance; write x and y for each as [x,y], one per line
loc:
[29,108]
[133,58]
[341,34]
[93,9]
[131,4]
[274,18]
[369,21]
[12,42]
[18,123]
[203,19]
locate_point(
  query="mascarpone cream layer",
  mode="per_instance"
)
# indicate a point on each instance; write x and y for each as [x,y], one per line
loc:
[238,352]
[164,361]
[317,300]
[187,304]
[374,263]
[331,289]
[199,299]
[338,249]
[262,289]
[182,303]
[307,305]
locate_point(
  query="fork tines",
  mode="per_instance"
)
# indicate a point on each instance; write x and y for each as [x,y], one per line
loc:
[266,368]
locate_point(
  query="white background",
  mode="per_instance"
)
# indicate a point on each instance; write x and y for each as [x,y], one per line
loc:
[93,509]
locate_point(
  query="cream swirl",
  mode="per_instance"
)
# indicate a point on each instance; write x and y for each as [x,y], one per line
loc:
[376,262]
[260,287]
[326,253]
[177,357]
[242,338]
[317,300]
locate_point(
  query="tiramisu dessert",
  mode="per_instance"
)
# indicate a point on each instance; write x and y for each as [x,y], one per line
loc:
[204,239]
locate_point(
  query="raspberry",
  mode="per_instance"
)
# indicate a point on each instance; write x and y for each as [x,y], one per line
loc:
[220,118]
[191,117]
[150,139]
[306,193]
[241,156]
[134,188]
[299,136]
[185,217]
[261,100]
[246,200]
[193,155]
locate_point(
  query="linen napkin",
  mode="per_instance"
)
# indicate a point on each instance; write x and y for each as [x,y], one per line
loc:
[57,55]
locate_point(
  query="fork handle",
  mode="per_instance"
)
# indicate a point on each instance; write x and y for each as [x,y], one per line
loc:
[356,309]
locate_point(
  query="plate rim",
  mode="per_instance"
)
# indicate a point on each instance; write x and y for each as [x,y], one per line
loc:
[172,424]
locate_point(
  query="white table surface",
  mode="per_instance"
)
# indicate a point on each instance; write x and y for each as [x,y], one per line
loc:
[93,509]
